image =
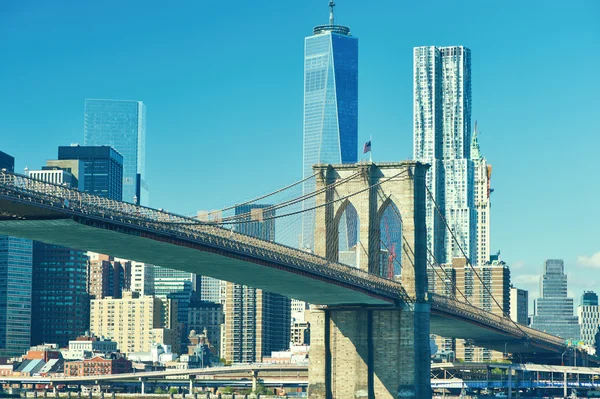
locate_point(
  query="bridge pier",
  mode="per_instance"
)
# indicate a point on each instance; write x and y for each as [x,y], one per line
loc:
[192,377]
[254,380]
[367,353]
[143,388]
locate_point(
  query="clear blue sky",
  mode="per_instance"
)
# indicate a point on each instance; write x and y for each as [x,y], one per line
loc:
[222,81]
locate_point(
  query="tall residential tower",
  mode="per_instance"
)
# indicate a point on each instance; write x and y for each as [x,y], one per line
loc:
[330,106]
[442,138]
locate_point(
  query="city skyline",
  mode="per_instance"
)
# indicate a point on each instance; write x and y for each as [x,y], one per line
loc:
[527,218]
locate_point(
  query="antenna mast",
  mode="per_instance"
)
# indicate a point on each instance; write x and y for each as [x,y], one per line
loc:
[331,5]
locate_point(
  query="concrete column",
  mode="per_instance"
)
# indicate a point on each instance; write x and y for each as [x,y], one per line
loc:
[192,377]
[565,384]
[509,371]
[143,382]
[254,380]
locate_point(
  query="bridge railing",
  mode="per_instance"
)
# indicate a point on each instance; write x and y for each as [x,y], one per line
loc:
[457,307]
[80,203]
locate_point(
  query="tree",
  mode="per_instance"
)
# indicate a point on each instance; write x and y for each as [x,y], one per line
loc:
[261,389]
[173,390]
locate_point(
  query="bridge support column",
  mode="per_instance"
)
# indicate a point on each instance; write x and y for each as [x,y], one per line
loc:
[366,353]
[509,371]
[254,380]
[143,389]
[192,378]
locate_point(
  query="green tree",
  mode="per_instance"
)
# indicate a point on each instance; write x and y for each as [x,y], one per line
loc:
[173,390]
[261,389]
[159,391]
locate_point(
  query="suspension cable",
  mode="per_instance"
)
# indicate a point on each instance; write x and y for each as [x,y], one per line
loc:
[293,201]
[268,195]
[485,286]
[321,205]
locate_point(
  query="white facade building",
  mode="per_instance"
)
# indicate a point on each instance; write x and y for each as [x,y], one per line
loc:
[142,278]
[588,313]
[482,191]
[442,138]
[79,348]
[519,305]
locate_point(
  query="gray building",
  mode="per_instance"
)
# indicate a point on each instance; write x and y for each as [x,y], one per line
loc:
[553,311]
[177,285]
[121,124]
[102,169]
[15,287]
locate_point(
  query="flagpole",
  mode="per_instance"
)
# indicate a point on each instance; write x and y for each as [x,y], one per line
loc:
[371,152]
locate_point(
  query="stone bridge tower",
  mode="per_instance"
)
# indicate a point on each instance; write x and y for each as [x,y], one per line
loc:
[365,352]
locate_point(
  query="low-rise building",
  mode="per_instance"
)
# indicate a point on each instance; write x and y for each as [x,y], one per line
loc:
[207,316]
[97,366]
[87,346]
[136,322]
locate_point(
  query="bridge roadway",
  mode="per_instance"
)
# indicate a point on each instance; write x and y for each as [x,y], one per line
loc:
[58,215]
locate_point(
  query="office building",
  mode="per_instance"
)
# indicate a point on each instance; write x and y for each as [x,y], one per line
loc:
[176,285]
[142,278]
[85,346]
[15,295]
[55,175]
[256,322]
[15,287]
[206,317]
[107,277]
[330,109]
[102,169]
[211,290]
[60,302]
[588,314]
[442,138]
[553,311]
[134,322]
[7,162]
[519,305]
[121,124]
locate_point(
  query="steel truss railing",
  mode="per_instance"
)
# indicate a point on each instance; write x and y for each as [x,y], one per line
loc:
[77,203]
[453,306]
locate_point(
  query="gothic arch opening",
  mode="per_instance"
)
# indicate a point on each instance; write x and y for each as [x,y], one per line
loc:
[348,228]
[390,239]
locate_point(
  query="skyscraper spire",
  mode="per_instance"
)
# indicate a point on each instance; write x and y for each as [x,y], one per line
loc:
[331,5]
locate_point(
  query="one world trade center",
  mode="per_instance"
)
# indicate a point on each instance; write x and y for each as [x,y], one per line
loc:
[330,110]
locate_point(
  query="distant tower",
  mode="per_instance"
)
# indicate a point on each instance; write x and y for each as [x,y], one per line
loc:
[553,311]
[330,106]
[121,124]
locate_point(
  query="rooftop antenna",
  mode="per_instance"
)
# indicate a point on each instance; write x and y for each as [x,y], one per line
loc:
[331,5]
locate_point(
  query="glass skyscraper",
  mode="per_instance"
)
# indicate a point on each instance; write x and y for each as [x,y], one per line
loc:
[553,311]
[15,295]
[121,124]
[175,284]
[15,287]
[103,169]
[330,106]
[442,138]
[60,302]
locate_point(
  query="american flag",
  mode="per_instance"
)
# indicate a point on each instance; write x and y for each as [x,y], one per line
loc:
[367,147]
